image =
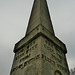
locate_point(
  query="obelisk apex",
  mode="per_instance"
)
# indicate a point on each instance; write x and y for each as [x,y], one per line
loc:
[40,15]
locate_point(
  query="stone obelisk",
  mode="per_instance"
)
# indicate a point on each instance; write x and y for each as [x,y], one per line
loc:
[40,52]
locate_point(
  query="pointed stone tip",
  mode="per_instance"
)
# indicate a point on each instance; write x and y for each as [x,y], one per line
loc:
[40,15]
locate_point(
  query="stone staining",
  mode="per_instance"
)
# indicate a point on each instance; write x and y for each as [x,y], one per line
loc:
[40,52]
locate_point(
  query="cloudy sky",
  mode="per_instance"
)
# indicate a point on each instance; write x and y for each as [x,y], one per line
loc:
[14,16]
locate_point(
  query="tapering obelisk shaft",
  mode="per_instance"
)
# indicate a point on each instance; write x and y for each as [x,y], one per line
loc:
[40,15]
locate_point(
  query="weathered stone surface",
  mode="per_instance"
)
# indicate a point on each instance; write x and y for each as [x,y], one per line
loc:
[40,52]
[40,57]
[40,15]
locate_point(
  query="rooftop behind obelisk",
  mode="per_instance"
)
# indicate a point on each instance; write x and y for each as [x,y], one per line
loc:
[40,15]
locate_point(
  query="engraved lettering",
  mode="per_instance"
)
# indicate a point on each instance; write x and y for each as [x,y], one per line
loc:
[30,44]
[62,68]
[24,58]
[49,43]
[48,59]
[60,57]
[19,66]
[19,56]
[31,48]
[32,59]
[55,58]
[20,51]
[48,48]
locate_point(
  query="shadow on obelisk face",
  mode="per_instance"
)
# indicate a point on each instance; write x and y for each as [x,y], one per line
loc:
[57,72]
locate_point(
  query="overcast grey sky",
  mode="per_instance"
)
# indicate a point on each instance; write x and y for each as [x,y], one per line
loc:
[14,16]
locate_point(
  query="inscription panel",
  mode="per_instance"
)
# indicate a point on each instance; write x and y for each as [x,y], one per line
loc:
[55,53]
[24,64]
[26,52]
[25,56]
[50,53]
[48,60]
